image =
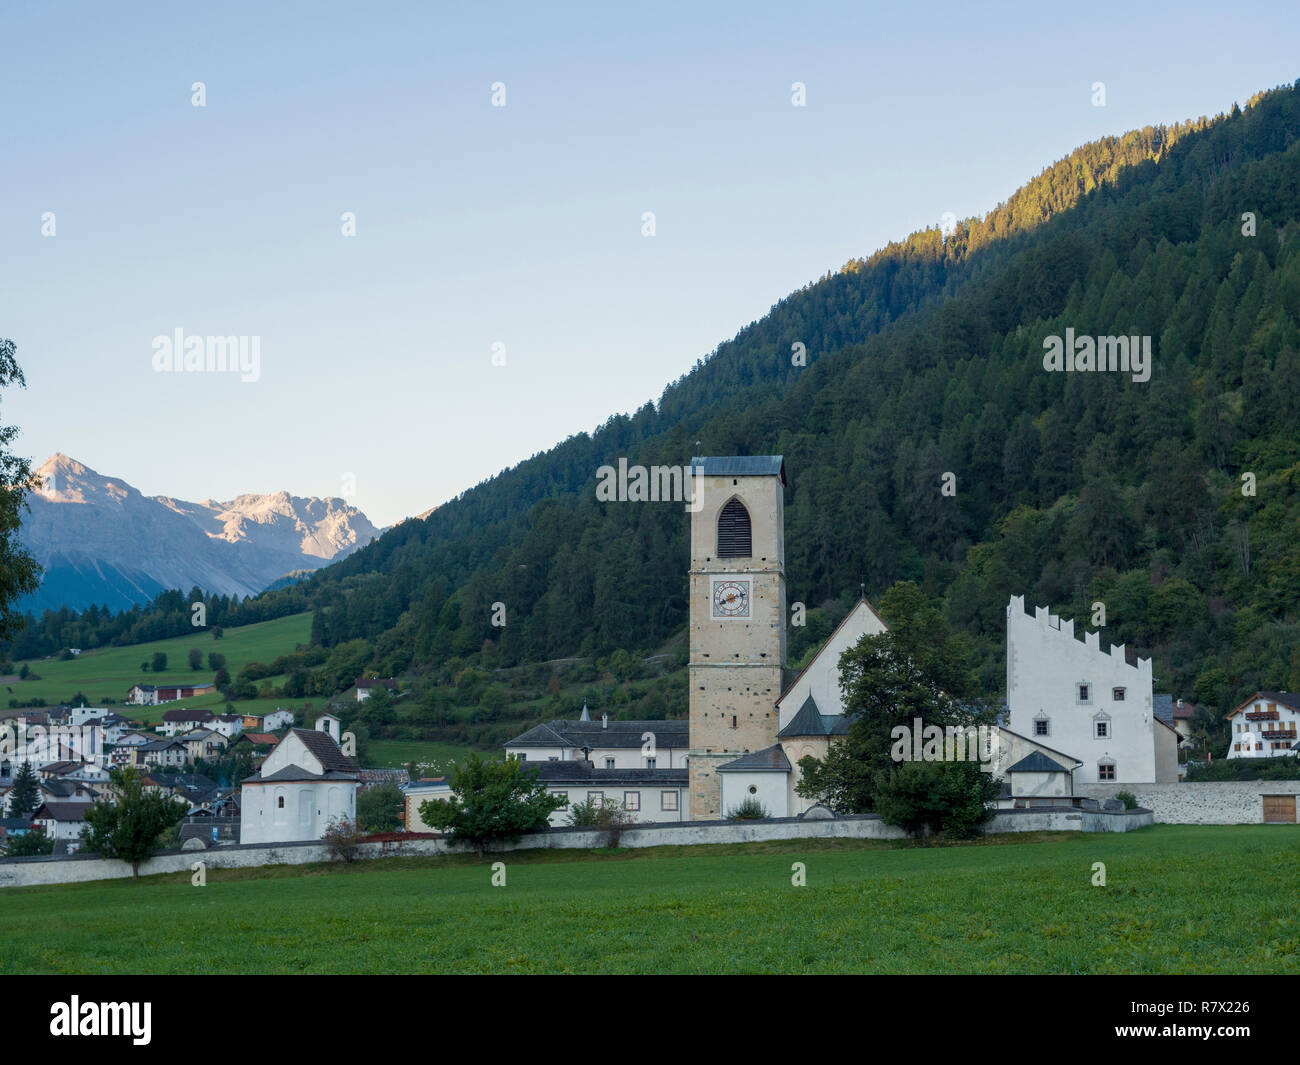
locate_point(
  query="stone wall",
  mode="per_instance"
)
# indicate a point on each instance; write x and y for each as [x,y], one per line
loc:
[1225,802]
[27,872]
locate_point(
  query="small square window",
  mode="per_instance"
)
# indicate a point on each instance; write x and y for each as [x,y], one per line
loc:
[597,797]
[649,763]
[1106,771]
[632,800]
[1103,729]
[609,763]
[1040,727]
[1117,694]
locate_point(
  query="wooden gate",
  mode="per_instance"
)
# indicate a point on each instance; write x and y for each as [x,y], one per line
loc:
[1279,809]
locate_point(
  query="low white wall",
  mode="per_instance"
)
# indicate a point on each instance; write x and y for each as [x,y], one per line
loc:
[1217,802]
[26,872]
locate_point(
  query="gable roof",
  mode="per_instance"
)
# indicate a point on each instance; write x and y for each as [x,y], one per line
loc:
[1037,743]
[62,811]
[1288,699]
[862,602]
[183,715]
[1162,705]
[580,771]
[739,466]
[327,752]
[768,760]
[596,734]
[1036,762]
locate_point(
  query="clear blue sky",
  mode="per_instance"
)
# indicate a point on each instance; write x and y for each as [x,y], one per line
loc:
[519,225]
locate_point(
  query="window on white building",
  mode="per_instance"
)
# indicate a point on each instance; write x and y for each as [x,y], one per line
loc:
[1117,694]
[597,797]
[668,800]
[1042,726]
[632,800]
[1084,691]
[609,763]
[1102,729]
[1105,770]
[649,763]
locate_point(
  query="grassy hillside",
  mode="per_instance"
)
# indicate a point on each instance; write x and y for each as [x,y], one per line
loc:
[1004,905]
[106,674]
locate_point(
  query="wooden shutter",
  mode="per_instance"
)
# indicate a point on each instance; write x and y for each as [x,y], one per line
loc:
[734,537]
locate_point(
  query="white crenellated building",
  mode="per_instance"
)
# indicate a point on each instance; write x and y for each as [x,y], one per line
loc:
[1073,696]
[1267,725]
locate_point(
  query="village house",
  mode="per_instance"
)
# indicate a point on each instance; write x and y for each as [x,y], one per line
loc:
[203,743]
[177,721]
[152,695]
[367,685]
[229,725]
[1265,726]
[278,720]
[161,753]
[62,821]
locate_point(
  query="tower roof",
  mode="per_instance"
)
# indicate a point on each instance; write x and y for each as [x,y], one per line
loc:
[739,466]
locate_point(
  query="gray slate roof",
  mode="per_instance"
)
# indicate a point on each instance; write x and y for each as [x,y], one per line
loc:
[294,772]
[1037,762]
[1162,706]
[810,721]
[566,733]
[768,760]
[580,771]
[739,466]
[327,752]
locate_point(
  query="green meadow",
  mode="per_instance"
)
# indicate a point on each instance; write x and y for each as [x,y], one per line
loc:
[1177,899]
[107,672]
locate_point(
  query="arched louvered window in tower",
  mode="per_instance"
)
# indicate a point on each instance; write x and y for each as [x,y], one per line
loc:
[734,540]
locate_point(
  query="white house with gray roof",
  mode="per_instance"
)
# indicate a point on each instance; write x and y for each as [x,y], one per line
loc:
[305,783]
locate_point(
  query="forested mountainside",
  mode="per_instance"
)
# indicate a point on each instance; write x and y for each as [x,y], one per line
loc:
[927,358]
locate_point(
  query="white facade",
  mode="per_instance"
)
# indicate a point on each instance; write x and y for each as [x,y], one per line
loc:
[1077,698]
[1267,725]
[79,715]
[229,726]
[646,802]
[768,787]
[295,796]
[278,720]
[821,677]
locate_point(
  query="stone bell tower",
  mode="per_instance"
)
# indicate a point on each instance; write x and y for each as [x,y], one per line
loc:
[738,615]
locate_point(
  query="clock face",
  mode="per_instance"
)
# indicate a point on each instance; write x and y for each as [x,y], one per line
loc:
[731,597]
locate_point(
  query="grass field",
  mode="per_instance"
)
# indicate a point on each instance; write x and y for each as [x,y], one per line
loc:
[108,672]
[435,757]
[1178,899]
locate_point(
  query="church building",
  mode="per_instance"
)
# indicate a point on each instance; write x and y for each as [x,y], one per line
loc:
[1076,715]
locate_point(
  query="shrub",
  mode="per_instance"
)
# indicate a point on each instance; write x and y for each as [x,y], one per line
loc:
[1129,800]
[749,810]
[343,840]
[611,817]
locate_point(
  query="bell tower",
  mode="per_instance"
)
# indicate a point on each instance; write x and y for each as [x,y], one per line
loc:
[738,612]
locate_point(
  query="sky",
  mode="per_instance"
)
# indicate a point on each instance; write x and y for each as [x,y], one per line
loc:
[517,230]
